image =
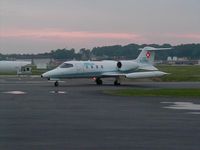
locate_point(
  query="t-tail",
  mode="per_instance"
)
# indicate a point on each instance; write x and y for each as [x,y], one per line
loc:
[147,56]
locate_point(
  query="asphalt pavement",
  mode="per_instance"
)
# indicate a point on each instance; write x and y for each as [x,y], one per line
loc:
[35,115]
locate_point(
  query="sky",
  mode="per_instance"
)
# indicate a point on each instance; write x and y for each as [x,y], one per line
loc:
[37,26]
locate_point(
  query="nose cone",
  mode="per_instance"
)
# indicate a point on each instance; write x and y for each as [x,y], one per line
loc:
[50,74]
[46,74]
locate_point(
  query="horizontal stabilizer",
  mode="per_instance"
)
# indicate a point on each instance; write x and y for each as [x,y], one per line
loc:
[148,48]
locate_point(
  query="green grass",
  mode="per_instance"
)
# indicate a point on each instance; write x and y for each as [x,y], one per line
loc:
[156,92]
[180,73]
[9,73]
[38,71]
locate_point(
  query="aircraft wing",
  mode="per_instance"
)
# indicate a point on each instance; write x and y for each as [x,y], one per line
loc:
[113,74]
[135,75]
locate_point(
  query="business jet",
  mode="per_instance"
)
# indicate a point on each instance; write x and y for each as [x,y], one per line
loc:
[142,67]
[18,67]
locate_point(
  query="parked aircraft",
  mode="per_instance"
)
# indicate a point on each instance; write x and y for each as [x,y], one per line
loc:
[18,67]
[142,67]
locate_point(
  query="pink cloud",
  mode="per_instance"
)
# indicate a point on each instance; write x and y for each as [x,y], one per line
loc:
[66,35]
[54,38]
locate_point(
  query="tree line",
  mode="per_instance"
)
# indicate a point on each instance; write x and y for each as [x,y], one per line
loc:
[131,51]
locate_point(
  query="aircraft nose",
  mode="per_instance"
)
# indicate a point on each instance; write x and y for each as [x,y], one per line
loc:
[44,75]
[49,74]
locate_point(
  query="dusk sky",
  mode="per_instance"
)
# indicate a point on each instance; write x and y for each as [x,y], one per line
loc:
[36,26]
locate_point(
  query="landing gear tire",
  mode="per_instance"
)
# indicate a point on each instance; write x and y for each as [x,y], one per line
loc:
[56,84]
[99,81]
[117,83]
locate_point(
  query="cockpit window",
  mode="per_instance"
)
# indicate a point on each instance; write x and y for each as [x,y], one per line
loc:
[66,65]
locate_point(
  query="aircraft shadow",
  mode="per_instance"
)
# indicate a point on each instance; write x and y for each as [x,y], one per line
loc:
[85,85]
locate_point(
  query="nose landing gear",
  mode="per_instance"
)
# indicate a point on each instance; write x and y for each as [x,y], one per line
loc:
[56,84]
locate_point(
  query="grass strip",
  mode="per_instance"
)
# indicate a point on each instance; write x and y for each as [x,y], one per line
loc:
[156,92]
[180,73]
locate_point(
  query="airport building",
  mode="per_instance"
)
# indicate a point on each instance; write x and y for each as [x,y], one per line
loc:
[181,61]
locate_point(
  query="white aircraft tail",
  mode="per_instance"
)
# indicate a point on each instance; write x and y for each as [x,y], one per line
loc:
[147,55]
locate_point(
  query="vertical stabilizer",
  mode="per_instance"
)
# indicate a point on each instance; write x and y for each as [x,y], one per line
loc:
[147,55]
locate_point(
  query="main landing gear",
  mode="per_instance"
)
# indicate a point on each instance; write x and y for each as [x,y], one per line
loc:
[117,82]
[99,81]
[56,84]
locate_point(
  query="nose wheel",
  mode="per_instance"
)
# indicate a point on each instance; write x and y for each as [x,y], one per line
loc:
[56,84]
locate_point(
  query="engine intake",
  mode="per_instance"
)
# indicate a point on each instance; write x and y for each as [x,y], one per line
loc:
[119,64]
[126,65]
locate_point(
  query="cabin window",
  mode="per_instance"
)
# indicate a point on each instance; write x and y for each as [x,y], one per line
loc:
[86,67]
[97,66]
[92,67]
[102,66]
[66,65]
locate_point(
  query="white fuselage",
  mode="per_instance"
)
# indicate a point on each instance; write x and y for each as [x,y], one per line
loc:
[87,69]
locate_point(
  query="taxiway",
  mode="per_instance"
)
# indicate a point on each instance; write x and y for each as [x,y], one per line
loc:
[77,115]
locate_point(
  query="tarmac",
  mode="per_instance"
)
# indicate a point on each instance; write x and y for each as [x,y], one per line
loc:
[35,115]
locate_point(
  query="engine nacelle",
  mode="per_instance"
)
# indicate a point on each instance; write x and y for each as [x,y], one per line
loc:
[127,65]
